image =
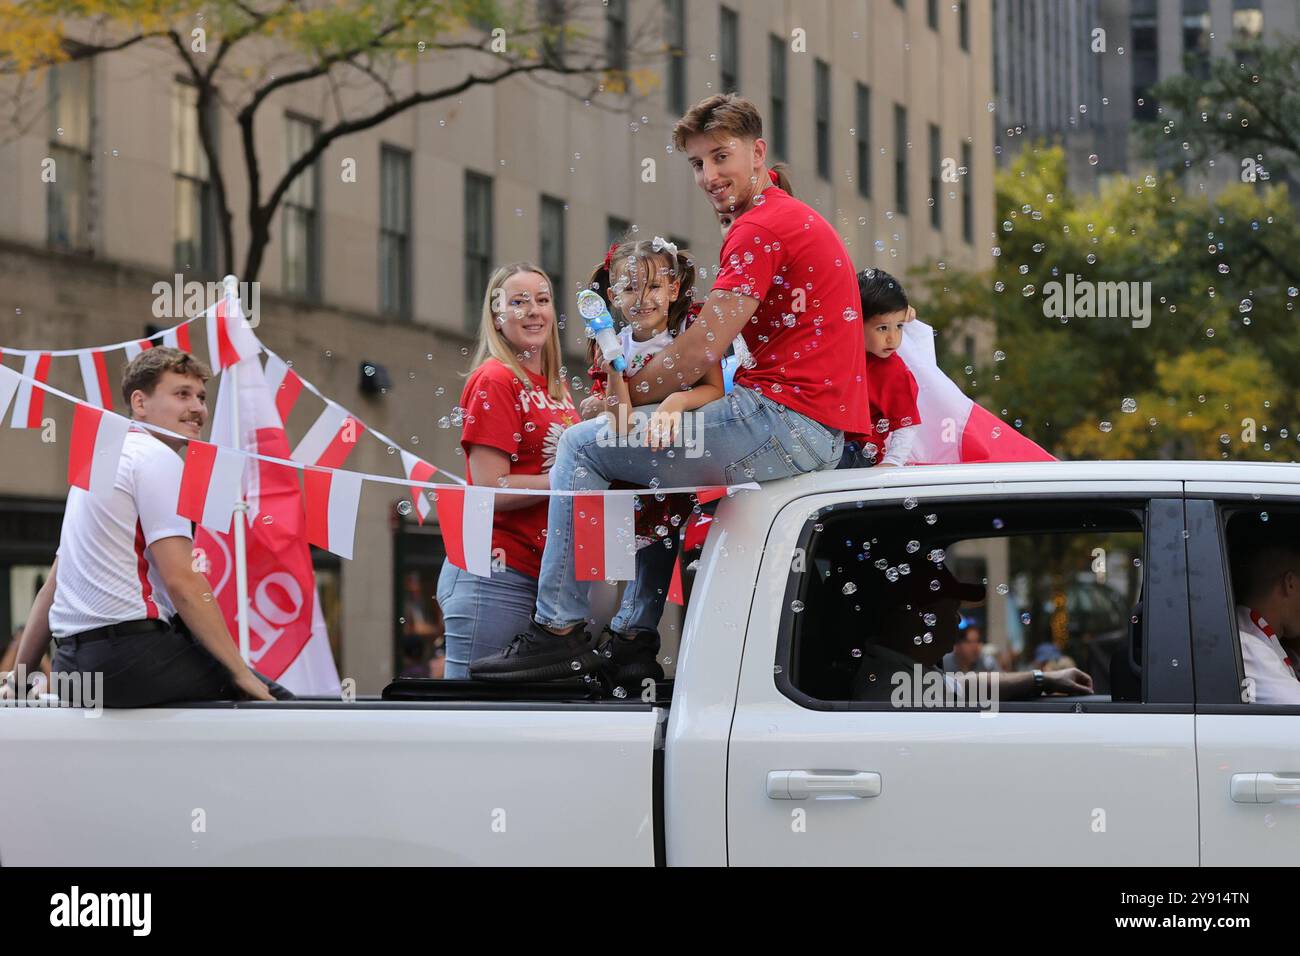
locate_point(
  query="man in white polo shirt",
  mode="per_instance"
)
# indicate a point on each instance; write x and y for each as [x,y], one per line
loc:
[1266,586]
[123,598]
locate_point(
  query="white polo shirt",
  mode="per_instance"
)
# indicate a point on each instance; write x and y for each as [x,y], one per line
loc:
[106,572]
[1265,661]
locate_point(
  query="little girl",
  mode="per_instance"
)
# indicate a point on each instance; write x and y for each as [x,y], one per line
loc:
[649,285]
[891,387]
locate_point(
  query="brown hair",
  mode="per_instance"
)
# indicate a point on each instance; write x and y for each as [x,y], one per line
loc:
[492,344]
[145,370]
[680,267]
[720,113]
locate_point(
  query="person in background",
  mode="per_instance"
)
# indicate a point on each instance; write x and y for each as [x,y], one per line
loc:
[967,654]
[515,407]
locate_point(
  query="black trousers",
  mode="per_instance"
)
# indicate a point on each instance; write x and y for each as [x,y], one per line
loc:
[152,668]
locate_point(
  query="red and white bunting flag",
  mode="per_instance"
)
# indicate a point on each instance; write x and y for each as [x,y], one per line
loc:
[329,442]
[604,539]
[135,348]
[284,384]
[210,485]
[229,338]
[465,517]
[418,470]
[9,382]
[675,593]
[178,338]
[29,402]
[96,448]
[332,501]
[697,529]
[94,376]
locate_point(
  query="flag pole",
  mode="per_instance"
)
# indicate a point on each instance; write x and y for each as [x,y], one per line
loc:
[231,292]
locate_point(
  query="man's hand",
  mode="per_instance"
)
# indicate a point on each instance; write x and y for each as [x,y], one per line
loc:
[250,686]
[1070,681]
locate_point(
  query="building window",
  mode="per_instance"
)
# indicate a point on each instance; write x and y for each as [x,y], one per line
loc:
[863,133]
[963,24]
[967,213]
[932,14]
[900,159]
[551,256]
[675,34]
[301,261]
[478,244]
[776,84]
[616,230]
[194,228]
[729,52]
[68,207]
[550,17]
[1196,37]
[616,34]
[1247,20]
[936,182]
[395,232]
[1143,27]
[822,78]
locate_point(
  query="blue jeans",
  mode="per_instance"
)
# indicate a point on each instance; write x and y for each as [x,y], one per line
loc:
[482,614]
[643,598]
[741,437]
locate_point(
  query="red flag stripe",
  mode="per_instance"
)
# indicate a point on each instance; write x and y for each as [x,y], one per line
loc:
[36,404]
[183,337]
[450,503]
[81,454]
[339,448]
[589,537]
[101,371]
[316,488]
[225,348]
[675,586]
[287,395]
[422,471]
[195,479]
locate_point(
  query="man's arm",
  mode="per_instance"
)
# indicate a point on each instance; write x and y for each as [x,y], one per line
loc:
[688,358]
[187,587]
[1019,685]
[35,639]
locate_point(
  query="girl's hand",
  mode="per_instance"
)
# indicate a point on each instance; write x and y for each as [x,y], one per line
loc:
[591,406]
[665,426]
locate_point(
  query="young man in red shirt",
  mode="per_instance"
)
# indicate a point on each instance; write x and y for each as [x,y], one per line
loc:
[784,282]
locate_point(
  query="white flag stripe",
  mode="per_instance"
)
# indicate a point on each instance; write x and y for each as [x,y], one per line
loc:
[943,406]
[320,434]
[620,538]
[109,438]
[132,350]
[276,370]
[345,498]
[477,530]
[23,398]
[169,340]
[422,506]
[223,490]
[90,379]
[9,382]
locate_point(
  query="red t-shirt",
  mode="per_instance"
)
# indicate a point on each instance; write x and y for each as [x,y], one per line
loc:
[525,424]
[891,395]
[808,355]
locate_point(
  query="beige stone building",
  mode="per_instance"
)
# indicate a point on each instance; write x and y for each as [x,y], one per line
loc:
[866,101]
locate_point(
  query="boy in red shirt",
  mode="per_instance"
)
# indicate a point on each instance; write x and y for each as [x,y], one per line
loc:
[891,387]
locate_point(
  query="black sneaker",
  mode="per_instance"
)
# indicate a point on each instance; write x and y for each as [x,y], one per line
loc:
[538,655]
[630,659]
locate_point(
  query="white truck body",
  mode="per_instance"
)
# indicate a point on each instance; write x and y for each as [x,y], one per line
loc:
[630,782]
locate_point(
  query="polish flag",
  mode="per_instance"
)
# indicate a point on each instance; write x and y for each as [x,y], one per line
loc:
[29,402]
[330,441]
[94,376]
[333,498]
[953,428]
[284,384]
[230,340]
[288,641]
[465,517]
[9,383]
[210,485]
[697,529]
[418,470]
[96,448]
[178,338]
[135,348]
[604,539]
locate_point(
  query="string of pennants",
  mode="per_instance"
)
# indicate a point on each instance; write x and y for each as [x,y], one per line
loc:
[211,484]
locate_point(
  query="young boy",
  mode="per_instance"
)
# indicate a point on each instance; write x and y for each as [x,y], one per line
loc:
[891,387]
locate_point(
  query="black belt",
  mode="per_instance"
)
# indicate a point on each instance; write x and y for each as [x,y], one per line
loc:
[122,629]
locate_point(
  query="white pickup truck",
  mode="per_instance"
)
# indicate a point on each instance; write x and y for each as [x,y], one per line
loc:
[755,752]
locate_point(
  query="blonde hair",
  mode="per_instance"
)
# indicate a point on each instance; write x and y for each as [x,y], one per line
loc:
[493,344]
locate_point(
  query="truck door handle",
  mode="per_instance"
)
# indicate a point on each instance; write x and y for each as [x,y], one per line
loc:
[802,784]
[1265,787]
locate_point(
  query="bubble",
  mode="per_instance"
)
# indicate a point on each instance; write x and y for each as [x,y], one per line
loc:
[909,503]
[403,507]
[1093,159]
[1024,617]
[856,652]
[849,587]
[796,606]
[1105,426]
[913,547]
[1003,589]
[999,356]
[1128,406]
